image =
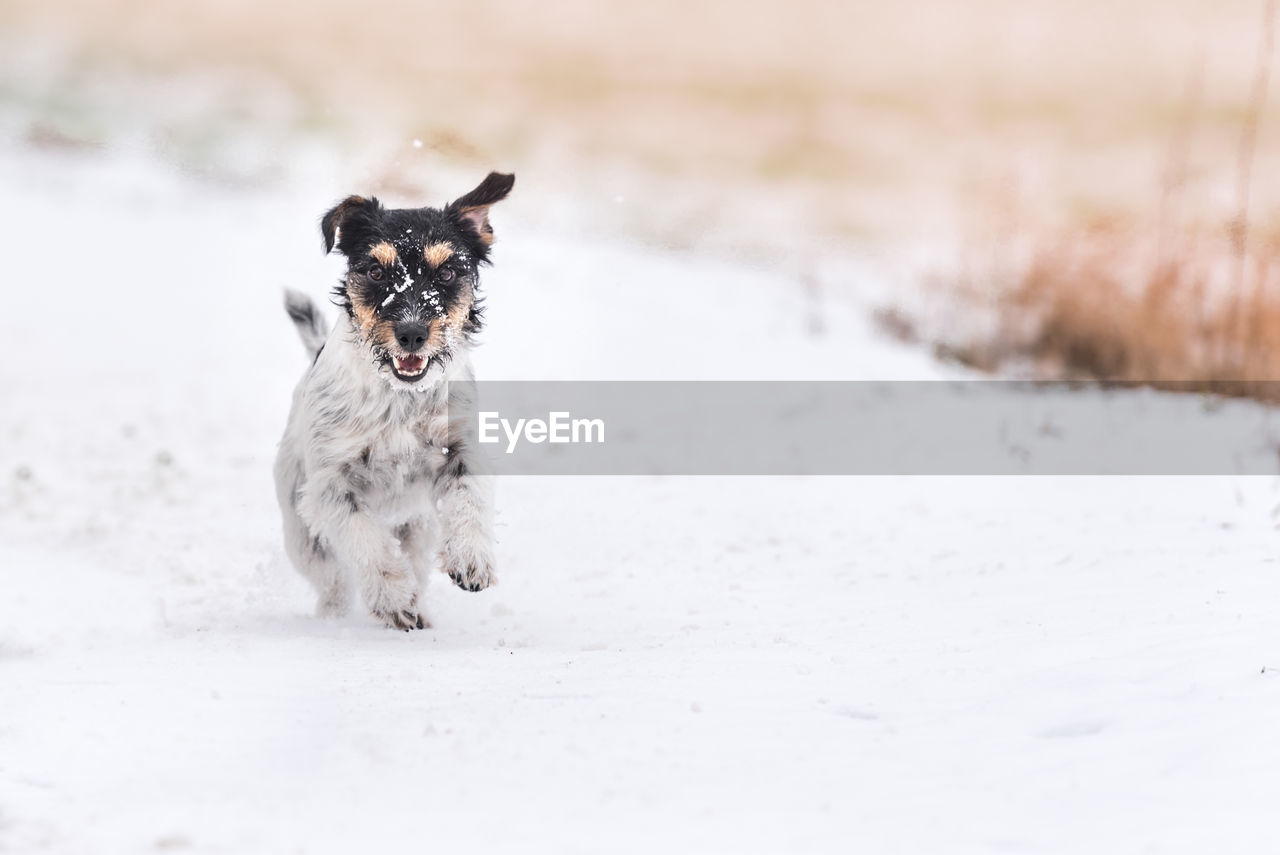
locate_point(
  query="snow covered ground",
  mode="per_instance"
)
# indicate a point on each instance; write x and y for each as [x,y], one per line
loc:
[668,665]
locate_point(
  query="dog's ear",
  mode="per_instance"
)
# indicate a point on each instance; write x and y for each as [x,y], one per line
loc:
[472,210]
[331,223]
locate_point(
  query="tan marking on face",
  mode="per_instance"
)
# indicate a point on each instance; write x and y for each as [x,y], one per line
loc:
[366,317]
[384,336]
[385,254]
[376,331]
[455,321]
[457,316]
[437,254]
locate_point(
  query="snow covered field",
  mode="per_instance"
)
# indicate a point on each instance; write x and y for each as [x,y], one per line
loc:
[668,665]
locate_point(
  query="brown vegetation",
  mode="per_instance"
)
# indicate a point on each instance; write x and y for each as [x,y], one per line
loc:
[1100,304]
[1179,298]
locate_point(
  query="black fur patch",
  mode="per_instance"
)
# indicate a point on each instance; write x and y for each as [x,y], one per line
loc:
[454,468]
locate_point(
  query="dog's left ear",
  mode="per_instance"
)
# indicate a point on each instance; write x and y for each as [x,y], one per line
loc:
[331,223]
[472,210]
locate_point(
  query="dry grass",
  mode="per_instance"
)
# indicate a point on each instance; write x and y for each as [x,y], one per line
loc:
[1185,296]
[1187,306]
[1104,305]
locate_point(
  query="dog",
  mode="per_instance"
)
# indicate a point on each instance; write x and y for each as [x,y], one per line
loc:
[375,475]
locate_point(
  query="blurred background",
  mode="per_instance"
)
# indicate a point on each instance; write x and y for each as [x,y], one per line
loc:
[1024,162]
[773,130]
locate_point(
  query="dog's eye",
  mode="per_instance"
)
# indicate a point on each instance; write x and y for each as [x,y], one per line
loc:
[376,273]
[445,274]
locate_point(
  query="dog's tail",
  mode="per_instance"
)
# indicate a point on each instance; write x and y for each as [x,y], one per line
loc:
[307,318]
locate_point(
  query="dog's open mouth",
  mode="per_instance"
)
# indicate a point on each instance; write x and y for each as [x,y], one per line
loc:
[409,367]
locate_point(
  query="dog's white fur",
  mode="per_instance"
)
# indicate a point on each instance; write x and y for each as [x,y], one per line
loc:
[375,479]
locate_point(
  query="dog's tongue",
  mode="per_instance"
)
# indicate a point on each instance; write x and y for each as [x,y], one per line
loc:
[410,363]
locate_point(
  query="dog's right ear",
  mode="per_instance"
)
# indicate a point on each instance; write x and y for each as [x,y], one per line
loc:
[331,223]
[472,210]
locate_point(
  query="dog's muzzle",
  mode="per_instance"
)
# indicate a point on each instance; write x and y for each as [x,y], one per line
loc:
[412,337]
[409,367]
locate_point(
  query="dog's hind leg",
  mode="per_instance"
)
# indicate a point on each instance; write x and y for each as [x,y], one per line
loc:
[309,553]
[332,584]
[319,565]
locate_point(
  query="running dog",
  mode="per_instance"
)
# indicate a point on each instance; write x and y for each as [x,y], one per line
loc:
[375,476]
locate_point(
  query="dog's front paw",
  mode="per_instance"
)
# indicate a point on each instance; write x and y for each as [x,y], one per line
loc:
[471,575]
[405,619]
[404,616]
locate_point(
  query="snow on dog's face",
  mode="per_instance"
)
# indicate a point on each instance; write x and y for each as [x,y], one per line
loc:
[412,274]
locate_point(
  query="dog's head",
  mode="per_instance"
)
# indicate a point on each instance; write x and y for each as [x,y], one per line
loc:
[413,274]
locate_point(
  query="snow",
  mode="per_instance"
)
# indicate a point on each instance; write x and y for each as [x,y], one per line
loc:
[886,664]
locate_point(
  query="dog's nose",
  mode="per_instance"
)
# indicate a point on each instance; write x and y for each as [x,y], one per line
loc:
[411,336]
